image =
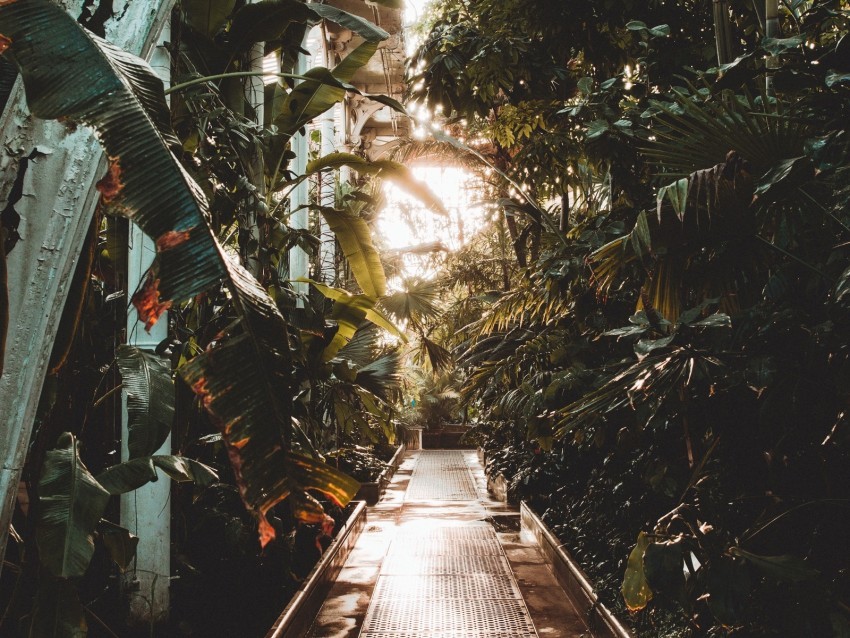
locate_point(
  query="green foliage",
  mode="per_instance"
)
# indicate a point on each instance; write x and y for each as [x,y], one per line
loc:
[669,365]
[71,503]
[150,399]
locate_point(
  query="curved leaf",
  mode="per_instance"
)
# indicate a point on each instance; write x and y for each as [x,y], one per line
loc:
[150,399]
[71,503]
[363,304]
[311,98]
[636,591]
[355,240]
[130,475]
[119,542]
[365,29]
[395,172]
[71,74]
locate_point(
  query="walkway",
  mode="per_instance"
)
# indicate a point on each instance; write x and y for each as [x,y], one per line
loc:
[440,559]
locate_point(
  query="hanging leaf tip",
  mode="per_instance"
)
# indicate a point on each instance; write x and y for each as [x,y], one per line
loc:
[147,302]
[110,185]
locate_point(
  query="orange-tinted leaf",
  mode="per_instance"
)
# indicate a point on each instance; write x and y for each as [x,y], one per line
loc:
[110,185]
[147,302]
[172,239]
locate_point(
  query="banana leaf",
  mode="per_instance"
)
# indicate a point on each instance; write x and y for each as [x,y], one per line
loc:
[71,74]
[392,171]
[350,311]
[355,240]
[235,391]
[119,542]
[71,503]
[130,475]
[150,399]
[267,20]
[365,29]
[311,98]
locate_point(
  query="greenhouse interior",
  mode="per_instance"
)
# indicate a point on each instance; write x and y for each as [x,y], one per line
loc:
[425,318]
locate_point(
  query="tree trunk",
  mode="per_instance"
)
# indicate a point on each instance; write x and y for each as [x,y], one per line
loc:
[56,206]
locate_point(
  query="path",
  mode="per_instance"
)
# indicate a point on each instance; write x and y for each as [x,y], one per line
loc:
[431,564]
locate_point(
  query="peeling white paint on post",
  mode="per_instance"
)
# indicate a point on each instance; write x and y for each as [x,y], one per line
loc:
[299,262]
[146,511]
[56,210]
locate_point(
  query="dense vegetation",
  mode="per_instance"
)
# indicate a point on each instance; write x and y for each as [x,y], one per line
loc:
[255,381]
[661,368]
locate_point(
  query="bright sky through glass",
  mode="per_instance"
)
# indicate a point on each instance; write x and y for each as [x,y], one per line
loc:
[406,223]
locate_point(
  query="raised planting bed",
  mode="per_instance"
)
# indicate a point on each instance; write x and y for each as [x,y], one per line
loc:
[447,437]
[371,491]
[302,609]
[570,576]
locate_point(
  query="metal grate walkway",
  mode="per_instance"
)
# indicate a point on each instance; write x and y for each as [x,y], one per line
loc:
[446,581]
[441,476]
[430,564]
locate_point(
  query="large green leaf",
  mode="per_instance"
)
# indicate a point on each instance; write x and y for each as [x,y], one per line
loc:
[267,20]
[71,74]
[150,399]
[311,98]
[363,307]
[130,475]
[392,171]
[239,395]
[355,240]
[71,503]
[363,28]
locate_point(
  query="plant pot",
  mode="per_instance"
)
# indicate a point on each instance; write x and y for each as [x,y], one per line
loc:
[307,601]
[600,620]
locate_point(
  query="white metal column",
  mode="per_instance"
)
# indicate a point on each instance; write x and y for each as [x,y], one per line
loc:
[146,512]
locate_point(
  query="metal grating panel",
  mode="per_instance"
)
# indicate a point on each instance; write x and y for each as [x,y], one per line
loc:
[401,565]
[437,546]
[428,587]
[449,634]
[468,616]
[470,531]
[443,476]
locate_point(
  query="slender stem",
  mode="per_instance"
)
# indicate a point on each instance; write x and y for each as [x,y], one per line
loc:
[825,211]
[794,257]
[234,74]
